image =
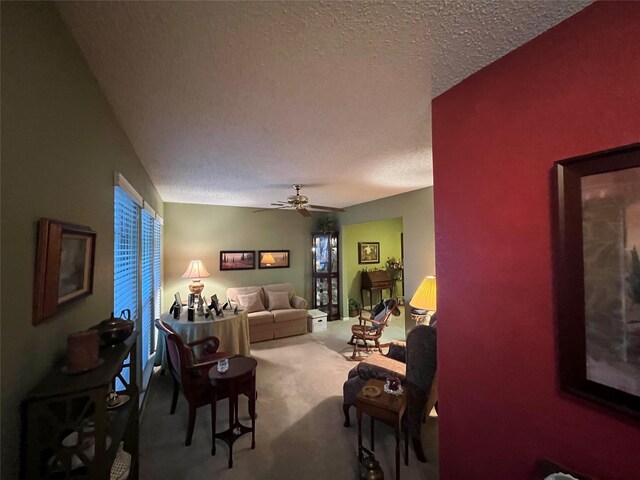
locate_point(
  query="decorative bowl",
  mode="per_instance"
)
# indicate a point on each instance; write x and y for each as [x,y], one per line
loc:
[114,330]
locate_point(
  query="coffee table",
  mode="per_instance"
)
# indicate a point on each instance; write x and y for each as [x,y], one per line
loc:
[239,379]
[388,409]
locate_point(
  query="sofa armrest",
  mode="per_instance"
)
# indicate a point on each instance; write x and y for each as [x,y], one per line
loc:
[398,351]
[298,302]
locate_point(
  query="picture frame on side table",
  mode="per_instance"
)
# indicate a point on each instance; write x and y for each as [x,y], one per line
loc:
[273,259]
[64,267]
[597,243]
[237,260]
[368,252]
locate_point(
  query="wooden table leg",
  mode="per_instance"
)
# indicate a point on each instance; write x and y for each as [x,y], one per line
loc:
[252,412]
[373,446]
[214,400]
[398,426]
[406,446]
[359,416]
[233,399]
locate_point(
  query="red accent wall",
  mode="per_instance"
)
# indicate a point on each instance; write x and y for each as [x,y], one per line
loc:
[573,90]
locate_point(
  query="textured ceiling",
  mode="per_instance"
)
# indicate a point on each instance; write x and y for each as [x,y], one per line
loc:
[229,103]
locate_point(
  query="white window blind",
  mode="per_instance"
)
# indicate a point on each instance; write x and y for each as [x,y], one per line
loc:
[126,228]
[157,264]
[147,286]
[137,268]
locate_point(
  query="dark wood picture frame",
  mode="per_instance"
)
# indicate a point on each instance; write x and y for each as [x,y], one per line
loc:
[598,193]
[368,252]
[64,267]
[229,260]
[281,258]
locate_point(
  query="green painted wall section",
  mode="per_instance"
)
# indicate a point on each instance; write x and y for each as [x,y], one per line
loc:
[387,232]
[60,146]
[194,232]
[416,210]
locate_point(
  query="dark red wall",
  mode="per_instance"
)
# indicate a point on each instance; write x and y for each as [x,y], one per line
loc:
[573,90]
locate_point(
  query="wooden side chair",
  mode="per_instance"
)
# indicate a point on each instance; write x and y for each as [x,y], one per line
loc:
[190,372]
[369,330]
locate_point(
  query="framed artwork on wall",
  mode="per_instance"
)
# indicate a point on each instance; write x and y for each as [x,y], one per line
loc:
[368,252]
[273,259]
[64,267]
[597,247]
[237,260]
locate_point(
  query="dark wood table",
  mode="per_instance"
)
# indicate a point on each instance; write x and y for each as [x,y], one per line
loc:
[388,409]
[239,379]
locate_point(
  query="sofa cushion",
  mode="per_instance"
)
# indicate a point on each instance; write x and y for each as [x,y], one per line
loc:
[233,292]
[279,287]
[278,300]
[289,314]
[259,318]
[252,302]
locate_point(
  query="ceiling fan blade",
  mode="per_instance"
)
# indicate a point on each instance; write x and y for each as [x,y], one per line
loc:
[304,212]
[331,209]
[279,203]
[267,209]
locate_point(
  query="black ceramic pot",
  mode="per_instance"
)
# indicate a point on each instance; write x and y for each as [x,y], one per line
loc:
[115,330]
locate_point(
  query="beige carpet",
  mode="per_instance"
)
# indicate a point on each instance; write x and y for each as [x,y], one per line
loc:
[299,430]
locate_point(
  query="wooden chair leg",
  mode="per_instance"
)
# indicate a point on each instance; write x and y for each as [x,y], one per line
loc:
[192,423]
[174,399]
[378,346]
[417,446]
[345,409]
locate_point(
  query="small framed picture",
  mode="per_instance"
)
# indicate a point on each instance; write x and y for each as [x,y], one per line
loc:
[368,252]
[178,300]
[237,260]
[273,258]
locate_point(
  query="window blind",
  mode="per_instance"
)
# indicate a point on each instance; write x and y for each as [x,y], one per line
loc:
[148,306]
[125,283]
[157,264]
[125,262]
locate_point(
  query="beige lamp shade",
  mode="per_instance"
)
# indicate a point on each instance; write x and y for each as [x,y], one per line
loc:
[425,296]
[196,271]
[268,259]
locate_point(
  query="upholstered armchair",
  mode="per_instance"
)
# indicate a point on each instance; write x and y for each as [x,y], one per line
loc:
[415,363]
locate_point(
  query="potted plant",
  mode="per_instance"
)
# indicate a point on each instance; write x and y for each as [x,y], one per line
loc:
[354,307]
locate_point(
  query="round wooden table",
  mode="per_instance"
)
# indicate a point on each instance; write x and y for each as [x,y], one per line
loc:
[239,379]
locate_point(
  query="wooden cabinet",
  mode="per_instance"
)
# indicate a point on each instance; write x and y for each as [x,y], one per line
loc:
[63,404]
[325,272]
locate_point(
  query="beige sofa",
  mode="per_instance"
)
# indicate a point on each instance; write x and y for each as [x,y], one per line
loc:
[266,323]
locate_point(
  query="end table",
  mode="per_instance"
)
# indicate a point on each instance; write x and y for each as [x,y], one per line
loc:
[388,409]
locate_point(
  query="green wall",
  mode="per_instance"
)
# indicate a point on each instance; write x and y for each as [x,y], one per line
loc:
[416,210]
[387,232]
[194,232]
[60,146]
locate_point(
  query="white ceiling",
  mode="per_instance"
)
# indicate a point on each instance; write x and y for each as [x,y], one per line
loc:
[229,103]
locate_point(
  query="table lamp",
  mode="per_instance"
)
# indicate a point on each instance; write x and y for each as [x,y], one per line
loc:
[268,259]
[425,296]
[195,272]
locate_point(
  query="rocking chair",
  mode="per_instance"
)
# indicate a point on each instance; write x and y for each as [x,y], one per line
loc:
[365,333]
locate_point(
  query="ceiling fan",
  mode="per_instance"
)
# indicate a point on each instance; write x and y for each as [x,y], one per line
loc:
[300,203]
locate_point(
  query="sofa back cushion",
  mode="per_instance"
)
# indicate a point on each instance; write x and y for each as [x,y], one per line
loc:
[232,293]
[251,302]
[279,287]
[278,300]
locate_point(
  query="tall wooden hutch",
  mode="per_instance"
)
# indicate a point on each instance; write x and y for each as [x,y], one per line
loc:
[325,272]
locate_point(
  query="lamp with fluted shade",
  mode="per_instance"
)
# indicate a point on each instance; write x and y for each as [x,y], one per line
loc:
[425,296]
[268,259]
[196,271]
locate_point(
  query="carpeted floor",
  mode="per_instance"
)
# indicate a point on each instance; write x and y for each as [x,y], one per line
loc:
[299,429]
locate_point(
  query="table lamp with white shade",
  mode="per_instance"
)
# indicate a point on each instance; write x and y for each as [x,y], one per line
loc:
[425,296]
[195,272]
